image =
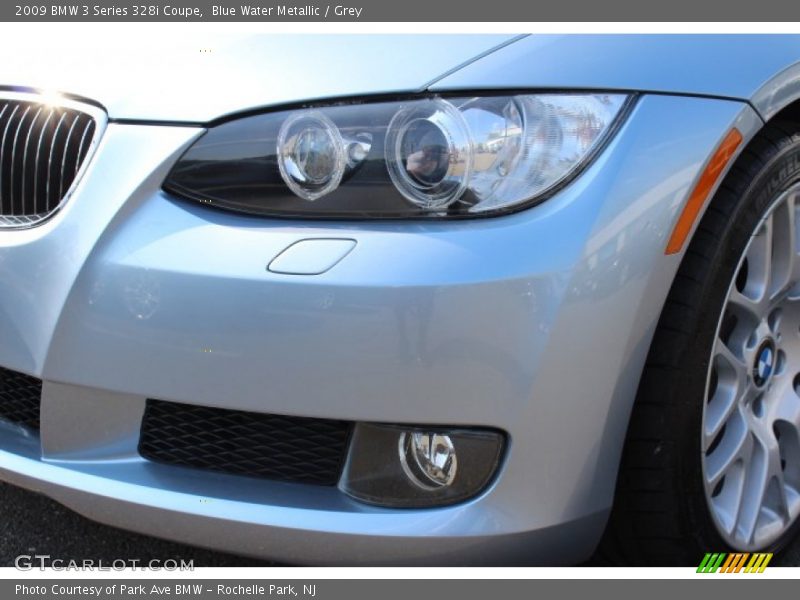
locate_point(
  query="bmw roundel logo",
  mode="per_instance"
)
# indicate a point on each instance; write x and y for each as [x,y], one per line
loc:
[764,363]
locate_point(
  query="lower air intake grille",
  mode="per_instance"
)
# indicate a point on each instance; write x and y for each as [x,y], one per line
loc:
[20,397]
[42,148]
[245,443]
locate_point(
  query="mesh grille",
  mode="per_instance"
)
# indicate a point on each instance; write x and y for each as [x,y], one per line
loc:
[20,397]
[42,148]
[245,443]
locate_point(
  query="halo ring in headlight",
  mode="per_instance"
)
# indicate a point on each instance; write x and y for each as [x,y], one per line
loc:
[311,154]
[429,153]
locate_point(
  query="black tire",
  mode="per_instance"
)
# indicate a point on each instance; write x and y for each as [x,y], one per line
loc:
[660,515]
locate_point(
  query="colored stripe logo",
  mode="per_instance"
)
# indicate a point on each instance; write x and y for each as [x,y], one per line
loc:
[737,562]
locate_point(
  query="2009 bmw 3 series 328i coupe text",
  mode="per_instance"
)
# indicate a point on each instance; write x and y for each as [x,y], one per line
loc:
[407,299]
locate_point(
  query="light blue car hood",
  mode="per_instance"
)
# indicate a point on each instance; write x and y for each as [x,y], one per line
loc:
[198,78]
[760,69]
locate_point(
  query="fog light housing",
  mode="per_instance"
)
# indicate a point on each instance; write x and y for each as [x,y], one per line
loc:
[407,467]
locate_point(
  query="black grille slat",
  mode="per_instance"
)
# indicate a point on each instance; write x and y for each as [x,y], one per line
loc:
[66,157]
[27,200]
[39,171]
[5,121]
[83,147]
[20,398]
[14,193]
[53,160]
[245,443]
[5,161]
[42,148]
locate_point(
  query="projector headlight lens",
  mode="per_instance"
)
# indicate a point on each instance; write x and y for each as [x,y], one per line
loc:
[432,157]
[311,155]
[429,153]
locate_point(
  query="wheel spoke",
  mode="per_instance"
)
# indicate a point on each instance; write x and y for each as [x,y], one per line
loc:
[759,262]
[793,202]
[783,250]
[786,416]
[787,409]
[785,507]
[735,362]
[735,446]
[732,389]
[745,306]
[757,478]
[729,475]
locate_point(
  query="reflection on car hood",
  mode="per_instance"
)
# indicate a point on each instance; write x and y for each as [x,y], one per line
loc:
[199,78]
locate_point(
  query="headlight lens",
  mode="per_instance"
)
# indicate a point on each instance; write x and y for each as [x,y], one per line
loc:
[429,153]
[310,154]
[432,157]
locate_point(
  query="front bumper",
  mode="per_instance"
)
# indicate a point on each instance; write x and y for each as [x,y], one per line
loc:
[536,323]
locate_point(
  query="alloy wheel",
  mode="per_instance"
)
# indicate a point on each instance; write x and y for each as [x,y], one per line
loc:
[751,419]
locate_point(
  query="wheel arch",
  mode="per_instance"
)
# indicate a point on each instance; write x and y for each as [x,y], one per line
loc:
[787,116]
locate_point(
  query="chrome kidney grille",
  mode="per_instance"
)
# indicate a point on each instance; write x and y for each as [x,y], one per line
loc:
[43,148]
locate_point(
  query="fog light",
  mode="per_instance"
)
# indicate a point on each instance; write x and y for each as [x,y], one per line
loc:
[429,459]
[408,467]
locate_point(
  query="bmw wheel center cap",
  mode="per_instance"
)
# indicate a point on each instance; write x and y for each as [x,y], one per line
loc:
[764,365]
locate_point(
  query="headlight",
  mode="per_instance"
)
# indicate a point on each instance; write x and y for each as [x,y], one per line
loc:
[432,157]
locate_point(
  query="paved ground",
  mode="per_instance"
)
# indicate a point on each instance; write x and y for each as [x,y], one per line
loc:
[33,524]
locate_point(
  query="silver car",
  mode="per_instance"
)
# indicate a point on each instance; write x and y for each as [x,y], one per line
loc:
[407,299]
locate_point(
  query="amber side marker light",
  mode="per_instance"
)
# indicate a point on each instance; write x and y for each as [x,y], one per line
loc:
[697,200]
